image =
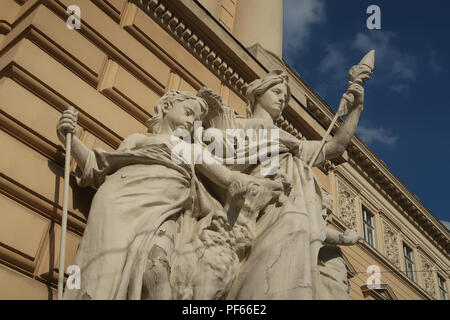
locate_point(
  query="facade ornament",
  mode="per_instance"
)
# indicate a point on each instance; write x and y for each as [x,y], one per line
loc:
[390,238]
[428,276]
[347,207]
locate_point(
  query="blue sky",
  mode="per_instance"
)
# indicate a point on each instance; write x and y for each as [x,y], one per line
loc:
[407,101]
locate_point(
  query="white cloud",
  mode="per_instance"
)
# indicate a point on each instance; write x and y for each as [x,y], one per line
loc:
[299,17]
[388,57]
[435,62]
[401,88]
[404,67]
[446,224]
[334,61]
[334,70]
[370,135]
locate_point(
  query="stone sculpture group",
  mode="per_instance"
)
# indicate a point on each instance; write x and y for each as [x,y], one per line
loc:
[165,229]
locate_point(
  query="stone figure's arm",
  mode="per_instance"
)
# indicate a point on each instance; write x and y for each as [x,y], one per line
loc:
[337,145]
[348,238]
[222,176]
[290,141]
[132,141]
[67,123]
[216,173]
[94,163]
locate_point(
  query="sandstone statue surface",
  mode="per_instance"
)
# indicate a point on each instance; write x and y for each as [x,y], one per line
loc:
[177,217]
[144,195]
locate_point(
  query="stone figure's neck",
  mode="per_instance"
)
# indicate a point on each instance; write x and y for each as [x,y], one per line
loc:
[260,113]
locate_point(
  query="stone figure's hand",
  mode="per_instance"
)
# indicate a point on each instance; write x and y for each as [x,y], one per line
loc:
[275,188]
[67,124]
[357,91]
[351,237]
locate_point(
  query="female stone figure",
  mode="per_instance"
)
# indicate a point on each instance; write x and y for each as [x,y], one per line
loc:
[282,263]
[143,194]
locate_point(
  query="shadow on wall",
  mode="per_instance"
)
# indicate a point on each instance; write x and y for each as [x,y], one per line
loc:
[81,196]
[81,201]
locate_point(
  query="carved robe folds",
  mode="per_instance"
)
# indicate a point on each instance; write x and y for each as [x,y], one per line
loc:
[142,193]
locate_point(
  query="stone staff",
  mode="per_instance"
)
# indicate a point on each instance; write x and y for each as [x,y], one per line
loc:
[359,74]
[62,249]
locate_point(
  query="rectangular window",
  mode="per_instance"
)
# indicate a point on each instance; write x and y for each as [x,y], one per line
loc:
[409,262]
[442,288]
[369,227]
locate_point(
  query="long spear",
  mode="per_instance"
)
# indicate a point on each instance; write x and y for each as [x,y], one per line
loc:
[62,249]
[358,74]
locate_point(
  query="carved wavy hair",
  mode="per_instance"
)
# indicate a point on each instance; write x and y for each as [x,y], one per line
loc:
[168,99]
[258,87]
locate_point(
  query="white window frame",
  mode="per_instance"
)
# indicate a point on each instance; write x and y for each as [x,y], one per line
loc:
[443,293]
[409,262]
[368,227]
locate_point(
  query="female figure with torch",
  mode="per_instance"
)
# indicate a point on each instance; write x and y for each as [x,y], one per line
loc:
[283,261]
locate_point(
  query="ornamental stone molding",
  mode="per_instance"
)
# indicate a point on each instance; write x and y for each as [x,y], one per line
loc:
[160,11]
[347,206]
[390,237]
[429,283]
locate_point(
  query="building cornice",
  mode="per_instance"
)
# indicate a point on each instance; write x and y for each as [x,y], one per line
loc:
[206,39]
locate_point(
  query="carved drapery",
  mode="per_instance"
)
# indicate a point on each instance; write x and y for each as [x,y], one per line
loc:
[390,237]
[347,207]
[327,204]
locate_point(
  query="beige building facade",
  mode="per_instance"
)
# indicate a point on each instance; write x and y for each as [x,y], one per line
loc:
[113,69]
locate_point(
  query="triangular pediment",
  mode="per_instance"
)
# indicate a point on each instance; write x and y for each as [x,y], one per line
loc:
[379,292]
